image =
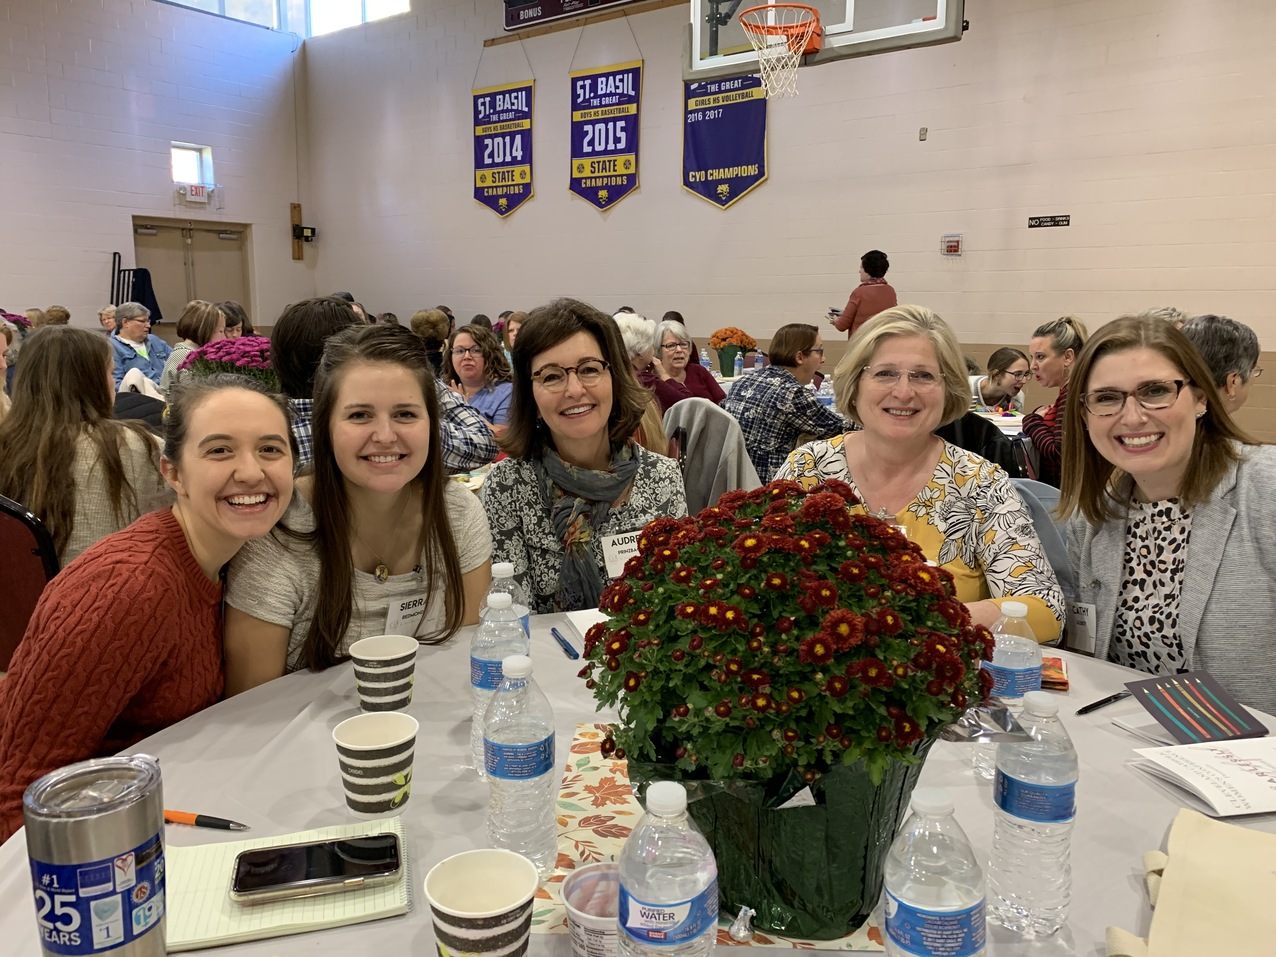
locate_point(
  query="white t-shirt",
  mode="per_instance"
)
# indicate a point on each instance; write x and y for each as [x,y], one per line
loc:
[276,578]
[980,406]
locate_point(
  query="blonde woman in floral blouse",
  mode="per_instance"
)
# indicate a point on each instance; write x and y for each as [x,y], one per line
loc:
[903,377]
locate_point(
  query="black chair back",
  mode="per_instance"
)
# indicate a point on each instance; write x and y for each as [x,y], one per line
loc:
[30,563]
[974,433]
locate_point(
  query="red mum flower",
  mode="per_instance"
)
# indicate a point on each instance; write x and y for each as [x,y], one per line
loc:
[686,610]
[885,734]
[761,702]
[682,574]
[871,672]
[755,678]
[890,621]
[907,731]
[733,617]
[632,681]
[616,594]
[722,709]
[695,642]
[935,687]
[746,592]
[823,593]
[855,542]
[950,669]
[776,581]
[941,647]
[779,522]
[816,650]
[641,617]
[711,612]
[837,686]
[852,572]
[616,645]
[824,505]
[734,666]
[959,699]
[784,625]
[803,545]
[985,682]
[753,543]
[844,629]
[718,564]
[709,584]
[954,612]
[795,695]
[715,532]
[872,561]
[838,488]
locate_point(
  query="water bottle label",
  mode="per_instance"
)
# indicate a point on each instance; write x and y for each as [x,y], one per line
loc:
[1043,803]
[485,673]
[929,933]
[669,925]
[518,762]
[97,906]
[1013,682]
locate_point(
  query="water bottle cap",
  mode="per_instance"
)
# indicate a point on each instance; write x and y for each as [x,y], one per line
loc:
[666,798]
[516,666]
[502,569]
[932,801]
[499,599]
[1014,609]
[1041,702]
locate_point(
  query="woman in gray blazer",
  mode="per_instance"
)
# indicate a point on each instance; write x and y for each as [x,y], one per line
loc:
[1171,515]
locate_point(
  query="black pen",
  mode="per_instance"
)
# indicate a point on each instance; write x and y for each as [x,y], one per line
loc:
[566,645]
[1104,702]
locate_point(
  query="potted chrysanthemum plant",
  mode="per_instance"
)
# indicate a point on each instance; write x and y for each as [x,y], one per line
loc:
[791,661]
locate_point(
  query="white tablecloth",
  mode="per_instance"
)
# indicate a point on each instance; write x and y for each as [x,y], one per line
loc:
[1010,425]
[266,758]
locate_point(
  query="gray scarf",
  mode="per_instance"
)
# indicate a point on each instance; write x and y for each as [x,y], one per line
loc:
[580,501]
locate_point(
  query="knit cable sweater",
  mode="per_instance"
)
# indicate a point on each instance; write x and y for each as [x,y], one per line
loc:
[125,642]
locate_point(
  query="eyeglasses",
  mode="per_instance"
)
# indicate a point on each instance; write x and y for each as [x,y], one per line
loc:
[1021,376]
[676,346]
[919,379]
[1258,370]
[476,351]
[145,319]
[818,352]
[1159,394]
[554,378]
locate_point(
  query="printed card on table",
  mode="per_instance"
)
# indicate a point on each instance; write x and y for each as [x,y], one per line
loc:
[1194,708]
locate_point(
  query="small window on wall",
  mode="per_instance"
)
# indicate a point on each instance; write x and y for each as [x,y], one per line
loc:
[192,164]
[327,16]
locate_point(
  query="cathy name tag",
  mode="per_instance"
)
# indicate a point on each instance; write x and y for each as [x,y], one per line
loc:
[1082,628]
[618,549]
[404,615]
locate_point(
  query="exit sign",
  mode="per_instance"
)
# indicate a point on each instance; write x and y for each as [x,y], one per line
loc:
[1039,222]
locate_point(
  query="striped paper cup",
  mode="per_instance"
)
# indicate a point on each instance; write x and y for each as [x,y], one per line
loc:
[374,752]
[383,670]
[482,903]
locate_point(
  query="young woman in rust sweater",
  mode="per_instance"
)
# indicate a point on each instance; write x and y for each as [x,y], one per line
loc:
[128,639]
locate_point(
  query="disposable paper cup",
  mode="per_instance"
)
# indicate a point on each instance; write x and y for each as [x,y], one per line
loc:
[592,894]
[374,752]
[482,903]
[383,670]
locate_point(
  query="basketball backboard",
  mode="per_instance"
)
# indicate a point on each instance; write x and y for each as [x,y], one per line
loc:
[717,46]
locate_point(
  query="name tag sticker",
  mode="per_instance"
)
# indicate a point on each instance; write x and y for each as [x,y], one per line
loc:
[1081,621]
[404,615]
[618,549]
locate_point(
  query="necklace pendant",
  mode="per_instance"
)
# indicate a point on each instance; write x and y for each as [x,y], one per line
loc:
[381,573]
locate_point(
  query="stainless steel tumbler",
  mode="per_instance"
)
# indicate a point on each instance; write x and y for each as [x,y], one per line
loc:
[95,838]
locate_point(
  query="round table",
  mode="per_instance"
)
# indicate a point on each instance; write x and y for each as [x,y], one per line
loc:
[266,758]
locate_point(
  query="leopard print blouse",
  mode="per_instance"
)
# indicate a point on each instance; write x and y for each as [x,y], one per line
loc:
[1145,629]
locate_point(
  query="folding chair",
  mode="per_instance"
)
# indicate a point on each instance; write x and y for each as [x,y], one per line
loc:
[30,562]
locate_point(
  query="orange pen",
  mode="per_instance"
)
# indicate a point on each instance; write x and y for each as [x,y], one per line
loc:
[202,820]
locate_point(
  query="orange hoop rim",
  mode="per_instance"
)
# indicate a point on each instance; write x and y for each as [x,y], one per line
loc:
[809,27]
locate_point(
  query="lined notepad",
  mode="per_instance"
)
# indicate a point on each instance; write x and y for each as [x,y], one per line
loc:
[201,913]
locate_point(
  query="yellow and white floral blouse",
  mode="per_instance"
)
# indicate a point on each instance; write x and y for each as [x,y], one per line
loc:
[969,520]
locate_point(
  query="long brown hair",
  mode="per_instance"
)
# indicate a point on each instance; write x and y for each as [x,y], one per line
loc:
[388,345]
[62,391]
[1087,478]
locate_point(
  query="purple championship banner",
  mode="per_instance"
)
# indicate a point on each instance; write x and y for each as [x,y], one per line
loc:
[724,139]
[503,146]
[604,153]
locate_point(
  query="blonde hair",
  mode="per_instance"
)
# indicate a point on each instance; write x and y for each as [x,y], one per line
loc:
[1064,333]
[896,322]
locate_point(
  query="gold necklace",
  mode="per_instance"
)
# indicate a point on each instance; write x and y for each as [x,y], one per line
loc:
[382,572]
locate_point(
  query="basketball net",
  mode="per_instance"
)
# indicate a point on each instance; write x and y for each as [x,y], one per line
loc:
[781,34]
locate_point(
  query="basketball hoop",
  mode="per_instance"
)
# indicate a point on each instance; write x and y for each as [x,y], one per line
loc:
[782,33]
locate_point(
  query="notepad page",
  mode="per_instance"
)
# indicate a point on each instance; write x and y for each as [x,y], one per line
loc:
[201,913]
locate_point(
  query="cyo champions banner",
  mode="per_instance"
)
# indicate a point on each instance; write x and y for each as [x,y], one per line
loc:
[503,146]
[605,132]
[724,138]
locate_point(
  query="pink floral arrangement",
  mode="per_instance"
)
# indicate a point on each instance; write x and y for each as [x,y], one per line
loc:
[247,355]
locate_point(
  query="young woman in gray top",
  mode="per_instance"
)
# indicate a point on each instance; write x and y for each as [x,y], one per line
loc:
[1172,523]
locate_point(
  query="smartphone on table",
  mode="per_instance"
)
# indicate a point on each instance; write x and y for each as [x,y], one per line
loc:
[323,867]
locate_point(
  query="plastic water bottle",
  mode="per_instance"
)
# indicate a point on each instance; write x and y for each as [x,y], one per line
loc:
[503,580]
[1015,670]
[706,361]
[738,369]
[668,903]
[757,362]
[934,893]
[1030,873]
[518,746]
[499,635]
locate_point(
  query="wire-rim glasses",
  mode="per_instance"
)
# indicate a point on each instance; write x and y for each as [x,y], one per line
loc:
[884,378]
[553,378]
[1154,395]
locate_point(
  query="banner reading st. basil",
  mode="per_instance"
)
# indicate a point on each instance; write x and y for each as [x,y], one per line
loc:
[503,146]
[724,138]
[605,132]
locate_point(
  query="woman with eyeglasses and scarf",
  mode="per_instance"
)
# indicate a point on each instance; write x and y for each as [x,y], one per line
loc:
[567,504]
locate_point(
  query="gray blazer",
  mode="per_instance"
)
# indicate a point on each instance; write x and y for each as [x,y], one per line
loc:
[1227,608]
